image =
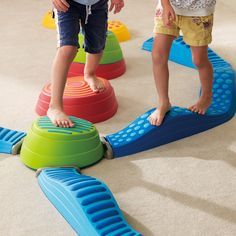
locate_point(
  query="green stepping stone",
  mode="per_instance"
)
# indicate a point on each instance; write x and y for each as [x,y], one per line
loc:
[112,52]
[49,146]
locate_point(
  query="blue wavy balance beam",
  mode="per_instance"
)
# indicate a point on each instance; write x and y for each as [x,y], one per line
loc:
[10,141]
[85,202]
[179,122]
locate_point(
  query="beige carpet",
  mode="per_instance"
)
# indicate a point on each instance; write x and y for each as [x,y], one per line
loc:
[184,188]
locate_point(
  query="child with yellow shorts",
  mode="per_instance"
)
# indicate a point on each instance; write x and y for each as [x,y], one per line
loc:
[195,20]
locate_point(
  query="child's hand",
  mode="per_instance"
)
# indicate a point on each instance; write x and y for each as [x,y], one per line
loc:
[117,4]
[61,5]
[168,15]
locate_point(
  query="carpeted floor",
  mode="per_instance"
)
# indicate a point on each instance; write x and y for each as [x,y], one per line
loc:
[184,188]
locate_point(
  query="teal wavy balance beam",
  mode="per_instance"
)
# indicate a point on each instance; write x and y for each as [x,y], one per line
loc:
[10,140]
[179,122]
[85,202]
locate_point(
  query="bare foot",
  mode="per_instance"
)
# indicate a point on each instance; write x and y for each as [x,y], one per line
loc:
[158,115]
[59,118]
[94,83]
[201,106]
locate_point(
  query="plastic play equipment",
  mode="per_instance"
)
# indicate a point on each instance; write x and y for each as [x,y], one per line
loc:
[109,71]
[48,20]
[119,29]
[47,145]
[85,202]
[112,52]
[179,122]
[80,101]
[10,141]
[112,64]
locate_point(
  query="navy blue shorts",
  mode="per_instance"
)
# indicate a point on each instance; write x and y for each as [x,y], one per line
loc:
[69,25]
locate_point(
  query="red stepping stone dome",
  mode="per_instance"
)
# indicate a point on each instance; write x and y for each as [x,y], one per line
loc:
[80,101]
[107,71]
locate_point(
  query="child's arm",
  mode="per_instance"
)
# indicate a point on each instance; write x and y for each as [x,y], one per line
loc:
[117,5]
[168,12]
[61,5]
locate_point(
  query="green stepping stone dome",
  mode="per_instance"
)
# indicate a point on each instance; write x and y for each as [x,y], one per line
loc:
[49,146]
[111,54]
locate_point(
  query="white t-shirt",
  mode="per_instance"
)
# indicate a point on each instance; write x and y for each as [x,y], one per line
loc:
[87,2]
[192,7]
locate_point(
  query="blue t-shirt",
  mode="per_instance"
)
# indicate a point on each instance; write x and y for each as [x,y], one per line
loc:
[87,2]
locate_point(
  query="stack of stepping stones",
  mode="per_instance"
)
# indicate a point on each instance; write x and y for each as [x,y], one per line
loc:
[112,64]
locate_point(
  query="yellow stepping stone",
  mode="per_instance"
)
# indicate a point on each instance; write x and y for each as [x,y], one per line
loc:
[48,20]
[120,30]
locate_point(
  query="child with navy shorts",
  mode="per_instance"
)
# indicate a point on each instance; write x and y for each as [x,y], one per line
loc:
[70,17]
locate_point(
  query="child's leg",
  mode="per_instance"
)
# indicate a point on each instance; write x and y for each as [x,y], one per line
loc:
[160,55]
[95,29]
[200,59]
[61,64]
[92,62]
[197,32]
[67,29]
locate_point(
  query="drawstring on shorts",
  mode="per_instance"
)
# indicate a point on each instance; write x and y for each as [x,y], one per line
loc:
[88,12]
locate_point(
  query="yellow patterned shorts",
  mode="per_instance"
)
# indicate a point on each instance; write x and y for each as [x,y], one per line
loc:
[197,30]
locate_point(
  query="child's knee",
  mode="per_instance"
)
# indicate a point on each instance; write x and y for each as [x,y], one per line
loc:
[159,57]
[200,61]
[197,61]
[68,52]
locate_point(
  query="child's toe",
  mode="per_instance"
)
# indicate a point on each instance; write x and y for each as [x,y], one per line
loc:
[160,119]
[61,123]
[191,108]
[71,124]
[95,89]
[65,123]
[100,87]
[150,120]
[194,109]
[155,122]
[202,112]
